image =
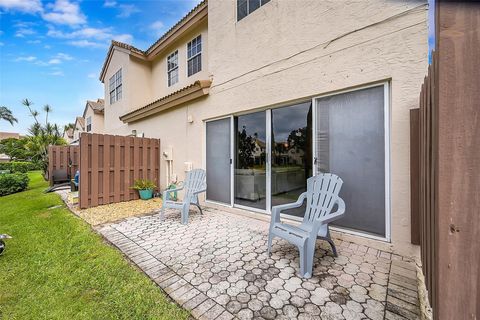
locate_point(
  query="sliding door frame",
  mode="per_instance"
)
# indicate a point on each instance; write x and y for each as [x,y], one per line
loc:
[232,147]
[386,110]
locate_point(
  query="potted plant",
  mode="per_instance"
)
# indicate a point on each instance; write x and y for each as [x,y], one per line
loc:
[145,188]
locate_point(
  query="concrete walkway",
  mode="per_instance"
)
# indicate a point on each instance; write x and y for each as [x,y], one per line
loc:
[217,267]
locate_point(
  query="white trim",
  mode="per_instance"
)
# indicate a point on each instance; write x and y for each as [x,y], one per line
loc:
[204,160]
[232,161]
[198,53]
[388,213]
[177,67]
[268,160]
[358,233]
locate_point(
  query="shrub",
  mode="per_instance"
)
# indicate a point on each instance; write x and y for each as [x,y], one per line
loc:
[12,183]
[19,166]
[141,184]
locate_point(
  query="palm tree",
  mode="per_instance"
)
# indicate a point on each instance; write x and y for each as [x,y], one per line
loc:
[47,109]
[6,114]
[27,103]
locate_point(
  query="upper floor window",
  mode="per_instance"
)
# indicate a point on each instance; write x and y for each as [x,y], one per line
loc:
[172,68]
[245,7]
[115,86]
[89,124]
[194,56]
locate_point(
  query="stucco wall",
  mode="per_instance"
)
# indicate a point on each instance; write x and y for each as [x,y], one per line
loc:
[282,53]
[112,112]
[97,121]
[159,65]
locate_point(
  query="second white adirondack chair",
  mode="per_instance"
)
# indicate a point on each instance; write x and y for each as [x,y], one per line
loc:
[321,195]
[194,184]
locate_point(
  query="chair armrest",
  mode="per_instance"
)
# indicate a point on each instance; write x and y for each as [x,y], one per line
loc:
[337,214]
[276,210]
[200,191]
[165,193]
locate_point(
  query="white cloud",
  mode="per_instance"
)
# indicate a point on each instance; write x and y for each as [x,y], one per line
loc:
[47,46]
[110,4]
[87,43]
[92,75]
[27,6]
[158,27]
[28,59]
[34,41]
[65,12]
[1,32]
[58,73]
[126,10]
[54,61]
[126,38]
[86,33]
[64,56]
[1,44]
[22,32]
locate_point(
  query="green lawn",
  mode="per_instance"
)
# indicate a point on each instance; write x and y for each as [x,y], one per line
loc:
[56,267]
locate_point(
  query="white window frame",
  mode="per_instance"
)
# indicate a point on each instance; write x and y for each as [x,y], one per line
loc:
[115,81]
[88,123]
[170,70]
[194,56]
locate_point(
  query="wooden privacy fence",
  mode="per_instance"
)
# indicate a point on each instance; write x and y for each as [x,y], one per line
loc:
[109,165]
[424,161]
[448,160]
[63,157]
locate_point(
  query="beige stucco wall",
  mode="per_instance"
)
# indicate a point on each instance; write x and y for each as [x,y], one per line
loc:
[97,121]
[159,65]
[120,59]
[281,53]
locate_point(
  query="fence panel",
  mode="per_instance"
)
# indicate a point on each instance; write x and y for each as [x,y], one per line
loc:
[109,164]
[63,157]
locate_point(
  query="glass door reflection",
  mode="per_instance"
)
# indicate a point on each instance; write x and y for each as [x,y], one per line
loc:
[291,154]
[250,160]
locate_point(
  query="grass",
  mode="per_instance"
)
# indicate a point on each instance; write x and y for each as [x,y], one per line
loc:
[56,267]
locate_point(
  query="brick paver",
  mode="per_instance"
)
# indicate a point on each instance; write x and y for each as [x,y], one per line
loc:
[218,268]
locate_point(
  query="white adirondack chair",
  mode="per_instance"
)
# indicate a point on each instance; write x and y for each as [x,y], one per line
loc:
[322,195]
[194,184]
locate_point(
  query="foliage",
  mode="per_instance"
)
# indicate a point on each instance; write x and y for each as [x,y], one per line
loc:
[56,267]
[15,148]
[6,114]
[41,136]
[246,148]
[12,183]
[143,184]
[19,166]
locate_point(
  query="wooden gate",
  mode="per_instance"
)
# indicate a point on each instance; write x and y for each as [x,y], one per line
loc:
[110,164]
[63,157]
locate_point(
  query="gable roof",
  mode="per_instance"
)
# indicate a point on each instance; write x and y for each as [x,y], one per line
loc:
[68,133]
[81,122]
[97,106]
[197,14]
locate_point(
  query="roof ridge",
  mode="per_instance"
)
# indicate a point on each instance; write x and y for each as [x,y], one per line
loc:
[175,25]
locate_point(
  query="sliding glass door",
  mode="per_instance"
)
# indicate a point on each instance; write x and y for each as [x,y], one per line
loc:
[291,165]
[350,142]
[250,173]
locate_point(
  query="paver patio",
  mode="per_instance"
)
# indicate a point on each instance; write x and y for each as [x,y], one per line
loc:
[217,266]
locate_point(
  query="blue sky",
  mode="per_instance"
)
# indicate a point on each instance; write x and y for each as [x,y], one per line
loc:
[51,52]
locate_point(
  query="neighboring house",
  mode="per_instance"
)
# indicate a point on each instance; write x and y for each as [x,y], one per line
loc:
[339,80]
[78,128]
[6,135]
[93,116]
[68,135]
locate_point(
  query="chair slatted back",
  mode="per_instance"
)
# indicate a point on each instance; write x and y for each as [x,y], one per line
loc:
[322,194]
[194,181]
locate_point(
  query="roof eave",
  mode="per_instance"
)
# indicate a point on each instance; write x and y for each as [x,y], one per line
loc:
[198,90]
